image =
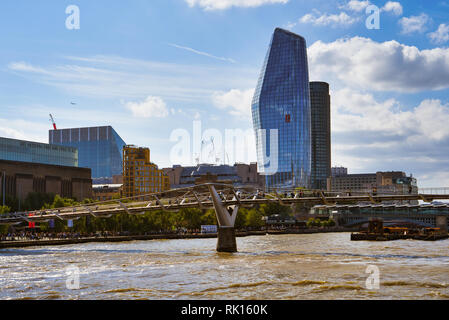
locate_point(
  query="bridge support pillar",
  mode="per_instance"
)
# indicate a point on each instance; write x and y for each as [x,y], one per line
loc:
[226,240]
[226,221]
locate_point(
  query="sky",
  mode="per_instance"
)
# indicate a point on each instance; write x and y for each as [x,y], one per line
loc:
[178,76]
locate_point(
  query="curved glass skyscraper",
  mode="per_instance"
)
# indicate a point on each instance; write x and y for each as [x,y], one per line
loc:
[281,108]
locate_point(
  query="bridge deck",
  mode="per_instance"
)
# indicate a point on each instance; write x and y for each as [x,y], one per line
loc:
[198,197]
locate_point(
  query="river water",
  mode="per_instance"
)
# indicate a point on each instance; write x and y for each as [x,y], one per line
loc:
[313,266]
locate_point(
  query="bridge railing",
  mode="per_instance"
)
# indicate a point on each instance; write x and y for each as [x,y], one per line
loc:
[440,191]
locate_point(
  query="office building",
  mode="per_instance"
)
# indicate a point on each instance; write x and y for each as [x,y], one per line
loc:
[35,152]
[339,171]
[281,105]
[321,134]
[394,182]
[99,148]
[140,175]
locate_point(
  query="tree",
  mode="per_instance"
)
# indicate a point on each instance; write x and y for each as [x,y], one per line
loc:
[314,223]
[37,200]
[209,218]
[191,218]
[310,223]
[240,221]
[254,219]
[272,208]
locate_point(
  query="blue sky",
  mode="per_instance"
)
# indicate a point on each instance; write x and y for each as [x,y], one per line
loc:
[149,68]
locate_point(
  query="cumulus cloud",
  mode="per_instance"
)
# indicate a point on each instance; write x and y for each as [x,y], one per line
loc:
[237,102]
[370,135]
[226,4]
[441,35]
[355,5]
[318,19]
[428,120]
[414,24]
[387,66]
[394,7]
[23,129]
[151,107]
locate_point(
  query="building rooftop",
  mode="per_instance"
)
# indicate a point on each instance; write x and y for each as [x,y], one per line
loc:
[101,186]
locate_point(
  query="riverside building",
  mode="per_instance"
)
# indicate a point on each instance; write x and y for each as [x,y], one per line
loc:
[140,175]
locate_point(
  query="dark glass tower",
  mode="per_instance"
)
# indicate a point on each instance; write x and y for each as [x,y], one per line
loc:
[99,148]
[321,134]
[282,102]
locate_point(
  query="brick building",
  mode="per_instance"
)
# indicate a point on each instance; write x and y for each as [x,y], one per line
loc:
[18,179]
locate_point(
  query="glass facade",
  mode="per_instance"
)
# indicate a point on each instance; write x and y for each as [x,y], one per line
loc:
[26,151]
[321,134]
[99,148]
[282,102]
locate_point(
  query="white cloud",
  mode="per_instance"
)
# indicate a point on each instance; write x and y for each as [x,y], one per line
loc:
[26,67]
[122,78]
[152,107]
[394,7]
[414,24]
[359,6]
[426,121]
[388,66]
[356,6]
[237,102]
[371,135]
[226,4]
[319,19]
[202,53]
[441,35]
[24,129]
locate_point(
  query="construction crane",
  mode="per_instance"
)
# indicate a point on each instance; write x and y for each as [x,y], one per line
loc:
[53,121]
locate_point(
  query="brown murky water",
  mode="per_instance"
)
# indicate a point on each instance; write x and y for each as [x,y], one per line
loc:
[315,266]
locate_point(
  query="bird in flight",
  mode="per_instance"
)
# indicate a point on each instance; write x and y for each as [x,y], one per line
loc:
[73,103]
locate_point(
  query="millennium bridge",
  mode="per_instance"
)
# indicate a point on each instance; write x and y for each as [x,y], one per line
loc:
[226,199]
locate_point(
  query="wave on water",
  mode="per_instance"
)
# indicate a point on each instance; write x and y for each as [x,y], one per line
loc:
[125,290]
[414,284]
[237,285]
[272,283]
[438,295]
[305,283]
[338,287]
